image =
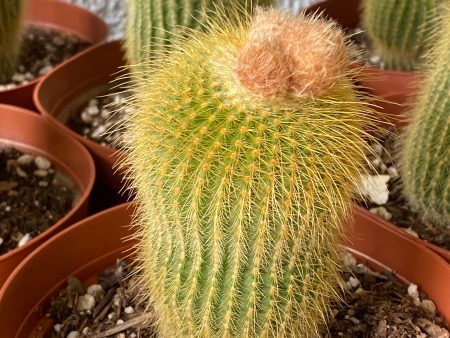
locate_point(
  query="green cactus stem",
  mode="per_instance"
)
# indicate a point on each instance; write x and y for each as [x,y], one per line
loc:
[10,36]
[399,30]
[151,23]
[425,157]
[245,149]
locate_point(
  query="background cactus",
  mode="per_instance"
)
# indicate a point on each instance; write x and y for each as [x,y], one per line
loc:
[425,157]
[10,34]
[244,150]
[151,22]
[398,30]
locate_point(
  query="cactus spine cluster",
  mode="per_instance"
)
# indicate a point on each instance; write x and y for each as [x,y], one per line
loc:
[398,30]
[10,33]
[425,158]
[151,23]
[244,150]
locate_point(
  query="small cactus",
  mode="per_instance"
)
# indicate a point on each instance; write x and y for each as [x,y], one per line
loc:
[245,149]
[151,23]
[425,157]
[398,30]
[10,36]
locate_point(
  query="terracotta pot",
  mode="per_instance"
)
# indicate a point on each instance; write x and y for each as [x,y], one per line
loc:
[69,86]
[97,241]
[29,132]
[381,82]
[64,17]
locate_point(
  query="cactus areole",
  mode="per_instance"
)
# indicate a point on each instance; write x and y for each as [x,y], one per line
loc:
[245,149]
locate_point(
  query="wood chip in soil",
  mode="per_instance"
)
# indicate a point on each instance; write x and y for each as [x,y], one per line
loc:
[33,196]
[397,210]
[374,305]
[100,119]
[41,50]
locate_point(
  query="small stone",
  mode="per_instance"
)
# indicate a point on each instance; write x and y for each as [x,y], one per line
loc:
[21,173]
[40,173]
[42,163]
[18,77]
[393,172]
[16,236]
[375,59]
[93,102]
[58,41]
[29,76]
[8,208]
[348,259]
[98,132]
[383,168]
[85,303]
[96,291]
[133,335]
[25,159]
[45,70]
[119,321]
[128,310]
[375,187]
[110,315]
[73,334]
[428,306]
[411,232]
[121,335]
[381,212]
[376,162]
[85,117]
[57,327]
[354,282]
[24,240]
[43,184]
[1,241]
[85,331]
[105,113]
[433,330]
[378,148]
[93,110]
[414,294]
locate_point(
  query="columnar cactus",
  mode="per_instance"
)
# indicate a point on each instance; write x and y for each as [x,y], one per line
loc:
[10,33]
[399,30]
[425,159]
[151,22]
[244,150]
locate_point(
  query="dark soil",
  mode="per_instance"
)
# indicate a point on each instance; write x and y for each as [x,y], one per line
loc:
[398,210]
[100,118]
[42,49]
[377,305]
[116,311]
[374,305]
[33,196]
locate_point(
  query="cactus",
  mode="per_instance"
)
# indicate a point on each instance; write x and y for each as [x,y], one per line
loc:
[398,30]
[10,33]
[244,151]
[425,155]
[150,22]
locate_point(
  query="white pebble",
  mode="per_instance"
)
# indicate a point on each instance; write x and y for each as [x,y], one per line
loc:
[45,70]
[18,77]
[428,306]
[348,259]
[96,291]
[110,315]
[393,172]
[43,184]
[375,187]
[375,59]
[29,76]
[73,334]
[20,172]
[354,282]
[42,163]
[93,102]
[24,240]
[121,335]
[411,232]
[8,208]
[25,159]
[85,303]
[85,117]
[1,241]
[85,331]
[57,327]
[414,293]
[128,310]
[98,132]
[119,321]
[133,335]
[93,110]
[381,212]
[105,113]
[40,172]
[378,148]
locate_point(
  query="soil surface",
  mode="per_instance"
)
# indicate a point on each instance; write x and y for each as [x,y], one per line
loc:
[396,210]
[365,53]
[42,49]
[100,119]
[33,196]
[374,305]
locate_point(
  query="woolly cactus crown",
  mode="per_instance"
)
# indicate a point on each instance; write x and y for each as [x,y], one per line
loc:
[244,150]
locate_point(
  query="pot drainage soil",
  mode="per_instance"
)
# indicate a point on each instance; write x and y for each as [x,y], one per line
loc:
[42,49]
[389,204]
[374,305]
[33,196]
[100,119]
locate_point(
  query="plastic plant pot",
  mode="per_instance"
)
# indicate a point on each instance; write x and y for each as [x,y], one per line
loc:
[64,17]
[99,242]
[70,85]
[27,131]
